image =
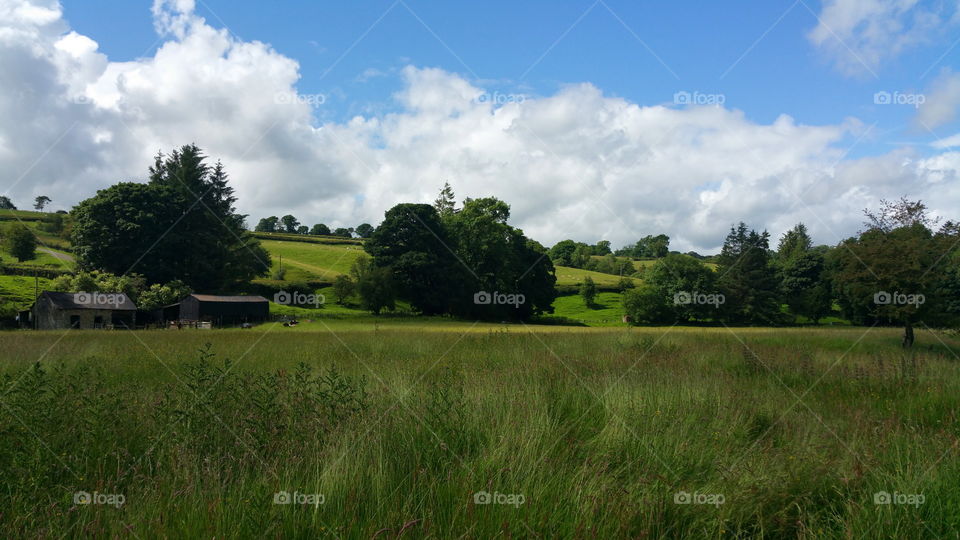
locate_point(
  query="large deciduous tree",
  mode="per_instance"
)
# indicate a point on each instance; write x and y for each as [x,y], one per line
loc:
[413,243]
[898,269]
[499,258]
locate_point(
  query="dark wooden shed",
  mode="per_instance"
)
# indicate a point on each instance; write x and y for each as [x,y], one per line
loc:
[222,310]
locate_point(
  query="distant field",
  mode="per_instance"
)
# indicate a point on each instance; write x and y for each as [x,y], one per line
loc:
[20,289]
[312,261]
[606,311]
[567,276]
[22,215]
[589,432]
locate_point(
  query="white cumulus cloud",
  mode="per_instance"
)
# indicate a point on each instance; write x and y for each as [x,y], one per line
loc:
[575,164]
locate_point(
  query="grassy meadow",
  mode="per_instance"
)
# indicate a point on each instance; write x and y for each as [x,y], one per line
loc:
[399,426]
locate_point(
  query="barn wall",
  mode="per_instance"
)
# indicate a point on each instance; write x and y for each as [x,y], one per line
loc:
[48,317]
[190,309]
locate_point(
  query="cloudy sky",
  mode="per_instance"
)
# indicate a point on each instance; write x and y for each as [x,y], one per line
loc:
[593,119]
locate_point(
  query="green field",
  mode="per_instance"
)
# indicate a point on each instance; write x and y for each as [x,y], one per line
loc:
[569,277]
[588,432]
[20,290]
[308,261]
[607,309]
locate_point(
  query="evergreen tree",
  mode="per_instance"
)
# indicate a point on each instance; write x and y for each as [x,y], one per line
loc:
[747,279]
[445,204]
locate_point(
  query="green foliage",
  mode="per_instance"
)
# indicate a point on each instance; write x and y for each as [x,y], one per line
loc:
[320,229]
[794,243]
[570,253]
[493,256]
[588,291]
[131,285]
[647,305]
[748,278]
[689,287]
[415,245]
[648,247]
[365,230]
[268,224]
[157,295]
[6,203]
[899,254]
[289,224]
[181,225]
[446,202]
[343,288]
[377,289]
[804,282]
[20,241]
[41,202]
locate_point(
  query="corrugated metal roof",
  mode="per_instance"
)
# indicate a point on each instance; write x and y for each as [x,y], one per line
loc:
[216,298]
[92,300]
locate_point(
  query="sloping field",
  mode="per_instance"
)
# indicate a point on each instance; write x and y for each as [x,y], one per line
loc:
[312,261]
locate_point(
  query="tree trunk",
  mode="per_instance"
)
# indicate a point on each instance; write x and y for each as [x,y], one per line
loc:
[907,335]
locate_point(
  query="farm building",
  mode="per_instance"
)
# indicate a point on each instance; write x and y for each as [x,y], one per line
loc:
[61,310]
[221,310]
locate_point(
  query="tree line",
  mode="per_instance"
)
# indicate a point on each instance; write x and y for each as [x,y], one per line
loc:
[900,269]
[290,225]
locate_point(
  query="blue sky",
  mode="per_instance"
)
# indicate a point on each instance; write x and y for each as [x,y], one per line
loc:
[754,53]
[572,112]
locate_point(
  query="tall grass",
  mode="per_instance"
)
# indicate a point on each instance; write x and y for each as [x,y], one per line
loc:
[588,434]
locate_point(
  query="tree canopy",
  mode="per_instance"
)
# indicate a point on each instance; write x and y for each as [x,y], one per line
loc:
[180,225]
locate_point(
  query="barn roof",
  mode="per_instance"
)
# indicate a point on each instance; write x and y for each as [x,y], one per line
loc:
[215,298]
[81,300]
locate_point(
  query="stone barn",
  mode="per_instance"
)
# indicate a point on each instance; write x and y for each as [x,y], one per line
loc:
[61,310]
[221,310]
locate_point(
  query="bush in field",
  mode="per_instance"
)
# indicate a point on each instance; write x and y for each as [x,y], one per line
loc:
[20,242]
[343,288]
[588,291]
